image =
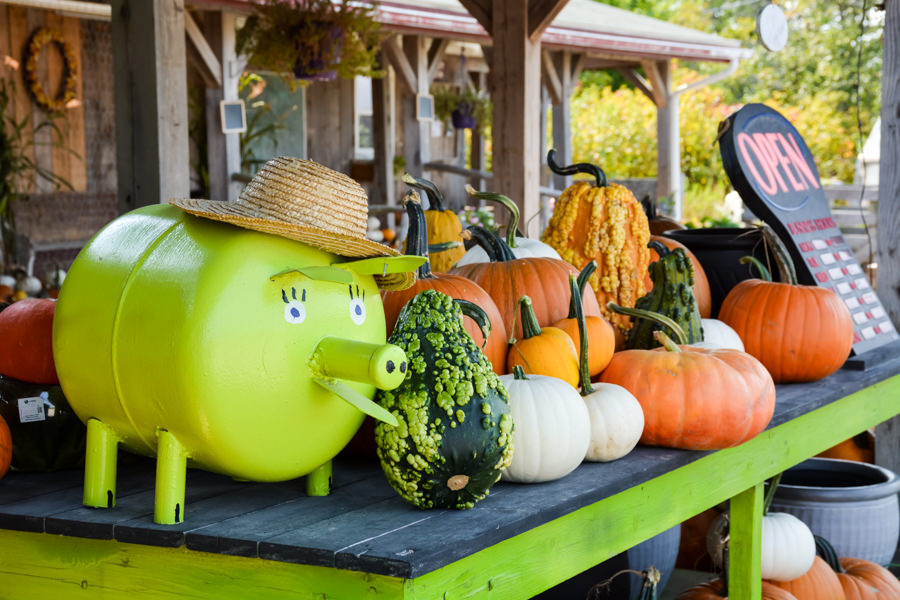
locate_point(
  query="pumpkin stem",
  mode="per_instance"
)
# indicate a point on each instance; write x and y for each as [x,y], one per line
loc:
[828,553]
[665,341]
[477,314]
[584,375]
[417,235]
[435,198]
[530,326]
[496,249]
[508,204]
[763,271]
[519,372]
[638,313]
[786,270]
[661,249]
[588,168]
[583,278]
[442,246]
[770,493]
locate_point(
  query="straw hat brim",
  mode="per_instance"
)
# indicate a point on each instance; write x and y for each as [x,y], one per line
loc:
[336,243]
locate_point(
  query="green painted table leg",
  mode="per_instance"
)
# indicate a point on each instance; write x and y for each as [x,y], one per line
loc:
[100,466]
[318,483]
[745,544]
[171,471]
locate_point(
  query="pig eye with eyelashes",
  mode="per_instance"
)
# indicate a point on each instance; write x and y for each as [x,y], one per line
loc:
[294,311]
[357,306]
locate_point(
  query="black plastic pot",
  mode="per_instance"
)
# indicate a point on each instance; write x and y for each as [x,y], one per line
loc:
[719,250]
[852,504]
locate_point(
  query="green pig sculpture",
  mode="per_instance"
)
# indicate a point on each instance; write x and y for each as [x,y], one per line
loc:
[252,351]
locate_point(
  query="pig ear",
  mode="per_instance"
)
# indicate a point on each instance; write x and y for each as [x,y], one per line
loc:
[383,265]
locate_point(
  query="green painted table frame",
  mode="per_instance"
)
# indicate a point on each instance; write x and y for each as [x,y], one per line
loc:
[40,565]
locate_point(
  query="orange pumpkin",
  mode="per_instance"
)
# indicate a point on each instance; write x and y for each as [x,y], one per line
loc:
[26,341]
[444,226]
[701,282]
[720,398]
[600,334]
[455,286]
[860,579]
[602,222]
[715,590]
[800,333]
[860,447]
[6,448]
[543,351]
[819,583]
[506,279]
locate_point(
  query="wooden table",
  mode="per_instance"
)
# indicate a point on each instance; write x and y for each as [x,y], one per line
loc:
[251,540]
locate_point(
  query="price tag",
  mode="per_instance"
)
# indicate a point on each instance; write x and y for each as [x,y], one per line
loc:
[31,409]
[773,170]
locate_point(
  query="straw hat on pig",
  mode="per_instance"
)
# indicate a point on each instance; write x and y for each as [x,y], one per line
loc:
[304,201]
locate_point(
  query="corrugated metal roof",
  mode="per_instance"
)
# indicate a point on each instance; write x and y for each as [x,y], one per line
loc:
[581,26]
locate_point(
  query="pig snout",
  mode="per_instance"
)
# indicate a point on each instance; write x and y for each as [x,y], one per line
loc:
[381,365]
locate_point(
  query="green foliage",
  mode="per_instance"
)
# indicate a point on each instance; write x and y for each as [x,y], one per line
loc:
[448,98]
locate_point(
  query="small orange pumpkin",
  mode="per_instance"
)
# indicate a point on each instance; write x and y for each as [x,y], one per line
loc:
[800,333]
[860,579]
[543,351]
[26,341]
[715,590]
[819,583]
[6,448]
[600,334]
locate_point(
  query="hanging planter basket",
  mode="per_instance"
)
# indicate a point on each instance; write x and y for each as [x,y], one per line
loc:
[325,56]
[464,117]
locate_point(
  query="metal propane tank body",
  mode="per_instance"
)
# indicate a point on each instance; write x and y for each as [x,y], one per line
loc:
[217,346]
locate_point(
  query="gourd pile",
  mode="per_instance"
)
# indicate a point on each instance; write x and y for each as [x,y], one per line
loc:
[579,346]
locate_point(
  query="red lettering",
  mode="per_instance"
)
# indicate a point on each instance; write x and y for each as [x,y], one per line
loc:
[769,154]
[877,329]
[806,247]
[793,149]
[836,256]
[823,224]
[856,338]
[869,314]
[845,271]
[776,139]
[749,150]
[852,285]
[822,276]
[812,261]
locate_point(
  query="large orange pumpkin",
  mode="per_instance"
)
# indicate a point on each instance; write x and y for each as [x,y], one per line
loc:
[860,579]
[701,282]
[800,333]
[819,583]
[605,223]
[6,448]
[506,279]
[695,398]
[715,590]
[444,226]
[26,349]
[454,286]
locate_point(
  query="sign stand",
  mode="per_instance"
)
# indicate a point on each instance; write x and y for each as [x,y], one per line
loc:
[773,170]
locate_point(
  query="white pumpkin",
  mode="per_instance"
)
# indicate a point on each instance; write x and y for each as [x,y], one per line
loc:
[552,430]
[718,335]
[521,247]
[617,422]
[788,548]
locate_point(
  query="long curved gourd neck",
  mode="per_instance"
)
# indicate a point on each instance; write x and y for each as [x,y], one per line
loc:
[435,197]
[496,249]
[417,234]
[582,280]
[508,204]
[588,168]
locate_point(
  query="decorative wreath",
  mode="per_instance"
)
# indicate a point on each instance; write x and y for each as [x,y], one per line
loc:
[40,38]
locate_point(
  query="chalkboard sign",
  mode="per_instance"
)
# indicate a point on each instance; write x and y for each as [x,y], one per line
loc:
[234,117]
[773,170]
[424,107]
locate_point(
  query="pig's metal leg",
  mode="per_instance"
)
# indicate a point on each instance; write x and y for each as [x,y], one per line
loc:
[318,483]
[171,469]
[100,465]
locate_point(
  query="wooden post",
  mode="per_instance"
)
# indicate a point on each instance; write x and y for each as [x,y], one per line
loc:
[383,137]
[668,161]
[887,435]
[516,92]
[151,101]
[416,134]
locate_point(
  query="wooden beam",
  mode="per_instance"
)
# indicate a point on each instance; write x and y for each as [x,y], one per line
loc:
[397,59]
[152,158]
[436,56]
[887,434]
[638,81]
[210,60]
[416,134]
[551,78]
[540,14]
[482,11]
[659,85]
[562,114]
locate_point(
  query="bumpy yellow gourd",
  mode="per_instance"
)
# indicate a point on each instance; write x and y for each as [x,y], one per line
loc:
[606,224]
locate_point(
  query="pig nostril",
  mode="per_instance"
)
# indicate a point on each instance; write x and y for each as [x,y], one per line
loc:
[389,367]
[403,367]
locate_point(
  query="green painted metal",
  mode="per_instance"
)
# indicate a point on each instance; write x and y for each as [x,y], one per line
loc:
[171,471]
[100,465]
[318,483]
[519,567]
[744,544]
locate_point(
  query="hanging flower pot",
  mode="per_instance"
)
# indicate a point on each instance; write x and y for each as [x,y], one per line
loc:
[464,116]
[317,59]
